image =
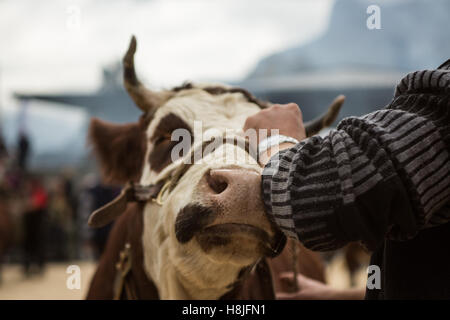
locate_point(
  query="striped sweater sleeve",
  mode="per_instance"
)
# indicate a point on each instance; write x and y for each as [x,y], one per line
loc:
[386,174]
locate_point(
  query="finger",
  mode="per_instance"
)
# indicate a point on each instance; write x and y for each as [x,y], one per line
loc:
[276,106]
[288,296]
[286,275]
[284,296]
[279,106]
[288,283]
[296,109]
[292,105]
[248,123]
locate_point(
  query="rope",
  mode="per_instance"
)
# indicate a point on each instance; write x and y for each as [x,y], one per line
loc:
[294,254]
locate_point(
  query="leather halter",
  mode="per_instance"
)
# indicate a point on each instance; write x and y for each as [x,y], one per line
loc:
[132,192]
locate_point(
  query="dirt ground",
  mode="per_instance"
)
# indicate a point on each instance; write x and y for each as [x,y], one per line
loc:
[52,284]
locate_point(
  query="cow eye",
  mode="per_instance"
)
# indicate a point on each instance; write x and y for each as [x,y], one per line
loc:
[161,155]
[161,139]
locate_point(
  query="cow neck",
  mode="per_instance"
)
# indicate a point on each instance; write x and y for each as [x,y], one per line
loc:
[253,282]
[234,290]
[133,283]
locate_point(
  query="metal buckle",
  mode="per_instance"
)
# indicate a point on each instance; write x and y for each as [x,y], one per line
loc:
[123,267]
[160,195]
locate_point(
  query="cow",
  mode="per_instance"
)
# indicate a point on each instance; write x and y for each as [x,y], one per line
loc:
[189,229]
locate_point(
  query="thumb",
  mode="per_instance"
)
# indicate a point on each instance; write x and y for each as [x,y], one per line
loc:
[287,281]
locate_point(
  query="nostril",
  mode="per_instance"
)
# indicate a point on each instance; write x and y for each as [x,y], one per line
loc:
[216,182]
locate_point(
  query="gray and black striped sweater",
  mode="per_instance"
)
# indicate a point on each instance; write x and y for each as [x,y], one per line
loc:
[378,179]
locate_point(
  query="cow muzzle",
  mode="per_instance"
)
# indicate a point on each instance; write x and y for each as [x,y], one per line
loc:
[230,223]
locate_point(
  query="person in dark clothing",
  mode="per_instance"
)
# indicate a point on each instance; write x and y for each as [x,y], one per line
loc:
[382,179]
[3,149]
[101,195]
[23,151]
[33,226]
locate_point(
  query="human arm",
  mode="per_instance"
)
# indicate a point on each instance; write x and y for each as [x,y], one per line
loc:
[384,174]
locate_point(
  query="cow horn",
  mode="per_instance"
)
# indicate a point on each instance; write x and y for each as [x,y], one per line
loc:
[144,98]
[325,120]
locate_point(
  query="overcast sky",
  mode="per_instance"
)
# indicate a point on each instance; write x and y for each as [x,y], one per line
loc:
[61,45]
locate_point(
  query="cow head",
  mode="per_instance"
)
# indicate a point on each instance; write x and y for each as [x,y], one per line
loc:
[211,224]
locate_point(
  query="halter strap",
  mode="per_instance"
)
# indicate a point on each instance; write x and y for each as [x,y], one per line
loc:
[132,192]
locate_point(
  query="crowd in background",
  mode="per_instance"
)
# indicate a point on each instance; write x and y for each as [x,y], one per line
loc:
[43,217]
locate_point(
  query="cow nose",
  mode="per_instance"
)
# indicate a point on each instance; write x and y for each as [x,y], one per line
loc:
[234,194]
[218,180]
[233,182]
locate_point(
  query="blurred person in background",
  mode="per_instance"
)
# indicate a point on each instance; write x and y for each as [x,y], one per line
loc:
[5,227]
[3,150]
[33,226]
[93,196]
[5,219]
[60,224]
[62,219]
[3,161]
[23,150]
[70,196]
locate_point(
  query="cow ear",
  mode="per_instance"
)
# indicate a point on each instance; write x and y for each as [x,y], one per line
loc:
[119,149]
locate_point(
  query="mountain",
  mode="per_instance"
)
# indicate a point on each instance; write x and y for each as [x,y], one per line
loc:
[414,35]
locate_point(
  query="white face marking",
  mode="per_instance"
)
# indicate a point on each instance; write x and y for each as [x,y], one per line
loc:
[185,271]
[215,112]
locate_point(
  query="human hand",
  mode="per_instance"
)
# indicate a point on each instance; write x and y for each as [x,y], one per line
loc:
[310,289]
[287,118]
